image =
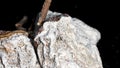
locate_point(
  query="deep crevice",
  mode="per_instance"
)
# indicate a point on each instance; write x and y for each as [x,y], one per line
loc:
[36,53]
[18,58]
[2,62]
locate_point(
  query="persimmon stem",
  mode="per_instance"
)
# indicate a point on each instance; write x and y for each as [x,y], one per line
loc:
[20,24]
[44,11]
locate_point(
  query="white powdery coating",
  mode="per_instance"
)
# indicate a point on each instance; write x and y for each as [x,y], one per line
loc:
[68,43]
[17,52]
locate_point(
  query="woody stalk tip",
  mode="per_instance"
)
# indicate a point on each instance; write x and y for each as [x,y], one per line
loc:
[44,11]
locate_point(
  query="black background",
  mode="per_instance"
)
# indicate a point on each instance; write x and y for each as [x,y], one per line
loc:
[102,15]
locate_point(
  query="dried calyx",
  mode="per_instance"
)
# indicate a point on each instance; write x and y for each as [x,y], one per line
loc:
[56,17]
[41,20]
[43,14]
[7,34]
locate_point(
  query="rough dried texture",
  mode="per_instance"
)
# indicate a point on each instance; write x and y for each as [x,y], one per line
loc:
[63,42]
[16,51]
[68,43]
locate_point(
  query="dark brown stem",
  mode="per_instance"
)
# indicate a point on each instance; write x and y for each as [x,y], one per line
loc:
[21,23]
[44,11]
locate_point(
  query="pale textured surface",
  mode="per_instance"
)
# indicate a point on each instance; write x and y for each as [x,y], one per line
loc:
[63,42]
[16,51]
[68,43]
